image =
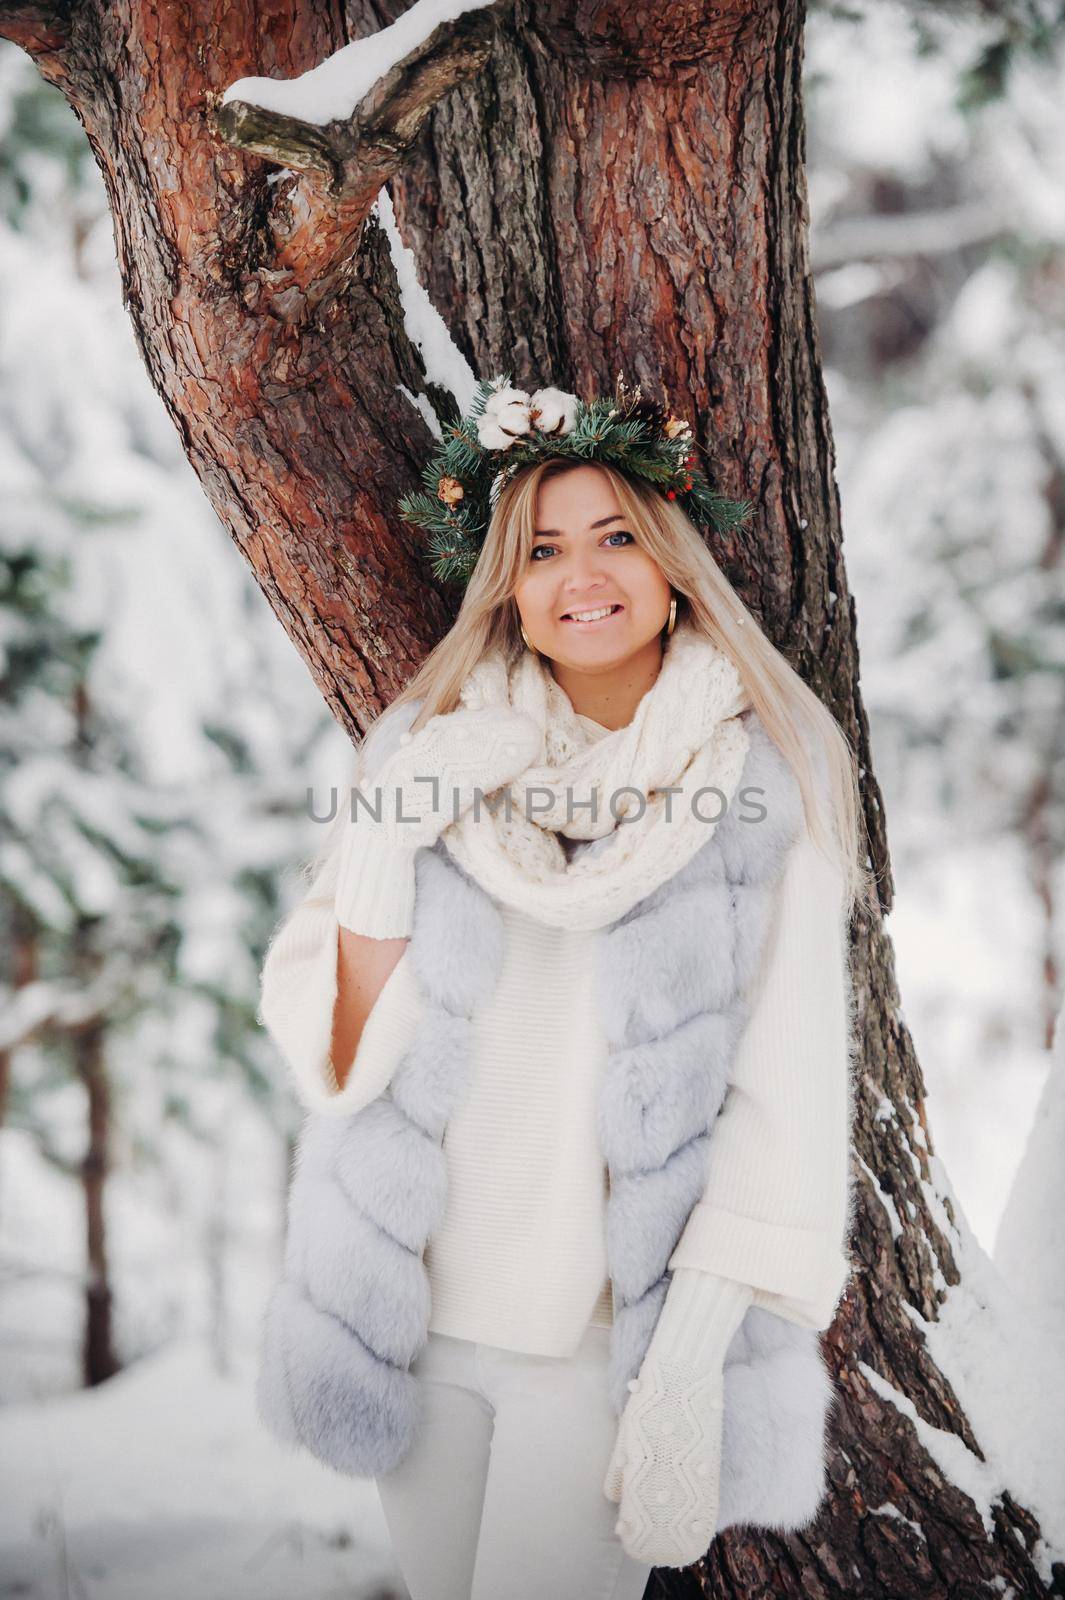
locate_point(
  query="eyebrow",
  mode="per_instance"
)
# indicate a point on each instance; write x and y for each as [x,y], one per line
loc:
[556,533]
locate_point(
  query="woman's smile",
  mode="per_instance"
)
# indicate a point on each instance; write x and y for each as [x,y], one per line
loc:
[593,617]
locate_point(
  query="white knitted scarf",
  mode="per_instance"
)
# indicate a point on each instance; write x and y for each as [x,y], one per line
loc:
[685,732]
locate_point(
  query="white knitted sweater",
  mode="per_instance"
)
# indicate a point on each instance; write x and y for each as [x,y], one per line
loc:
[520,1258]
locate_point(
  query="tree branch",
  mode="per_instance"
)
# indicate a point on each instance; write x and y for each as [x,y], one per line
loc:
[357,155]
[902,235]
[38,26]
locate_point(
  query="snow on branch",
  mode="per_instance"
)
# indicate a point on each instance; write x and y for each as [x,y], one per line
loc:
[905,234]
[354,116]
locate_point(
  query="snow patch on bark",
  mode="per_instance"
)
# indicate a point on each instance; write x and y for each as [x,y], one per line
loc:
[425,327]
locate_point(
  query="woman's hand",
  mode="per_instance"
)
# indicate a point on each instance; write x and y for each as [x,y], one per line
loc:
[426,781]
[665,1471]
[430,780]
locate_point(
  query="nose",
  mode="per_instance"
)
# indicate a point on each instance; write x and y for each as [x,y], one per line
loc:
[584,574]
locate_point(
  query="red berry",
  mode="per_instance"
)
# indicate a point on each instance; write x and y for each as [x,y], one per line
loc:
[671,494]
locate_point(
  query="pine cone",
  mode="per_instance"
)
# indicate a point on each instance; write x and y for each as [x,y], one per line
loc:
[651,413]
[633,405]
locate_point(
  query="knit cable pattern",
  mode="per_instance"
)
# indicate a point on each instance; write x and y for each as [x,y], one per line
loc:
[666,1467]
[434,775]
[648,795]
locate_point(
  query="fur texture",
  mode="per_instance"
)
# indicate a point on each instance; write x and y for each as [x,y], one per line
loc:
[672,980]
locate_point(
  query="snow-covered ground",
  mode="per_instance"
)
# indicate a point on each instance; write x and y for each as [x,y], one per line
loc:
[160,1485]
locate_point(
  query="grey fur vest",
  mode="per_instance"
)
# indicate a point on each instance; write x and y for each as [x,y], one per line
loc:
[351,1309]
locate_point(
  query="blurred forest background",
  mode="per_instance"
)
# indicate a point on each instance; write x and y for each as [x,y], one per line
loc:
[160,739]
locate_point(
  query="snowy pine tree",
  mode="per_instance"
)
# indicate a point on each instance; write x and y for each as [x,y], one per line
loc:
[158,741]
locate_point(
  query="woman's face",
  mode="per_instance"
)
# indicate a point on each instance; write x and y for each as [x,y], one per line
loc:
[585,559]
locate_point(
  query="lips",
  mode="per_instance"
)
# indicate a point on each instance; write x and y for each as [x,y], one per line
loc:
[568,616]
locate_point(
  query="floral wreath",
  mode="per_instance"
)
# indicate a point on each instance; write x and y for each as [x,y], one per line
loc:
[464,477]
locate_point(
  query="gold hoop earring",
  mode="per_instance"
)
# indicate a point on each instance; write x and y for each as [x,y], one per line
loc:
[525,636]
[672,616]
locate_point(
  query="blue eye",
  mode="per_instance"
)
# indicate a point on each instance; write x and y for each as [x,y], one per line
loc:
[618,533]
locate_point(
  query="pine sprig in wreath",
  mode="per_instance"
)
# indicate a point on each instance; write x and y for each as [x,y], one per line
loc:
[507,429]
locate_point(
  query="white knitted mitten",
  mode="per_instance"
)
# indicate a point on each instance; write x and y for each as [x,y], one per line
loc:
[666,1466]
[426,783]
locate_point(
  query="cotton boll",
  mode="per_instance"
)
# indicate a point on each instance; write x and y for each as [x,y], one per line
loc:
[555,410]
[492,437]
[506,395]
[507,412]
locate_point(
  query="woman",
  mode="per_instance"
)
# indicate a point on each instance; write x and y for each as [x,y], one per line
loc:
[573,1201]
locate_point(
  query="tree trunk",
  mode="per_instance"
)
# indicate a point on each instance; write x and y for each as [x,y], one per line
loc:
[601,187]
[20,969]
[90,1066]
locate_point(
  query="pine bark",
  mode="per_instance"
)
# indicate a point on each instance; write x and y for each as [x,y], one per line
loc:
[615,188]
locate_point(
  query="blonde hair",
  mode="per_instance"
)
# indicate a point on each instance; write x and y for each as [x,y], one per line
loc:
[791,713]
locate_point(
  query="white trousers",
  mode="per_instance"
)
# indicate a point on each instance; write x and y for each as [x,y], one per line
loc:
[501,1493]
